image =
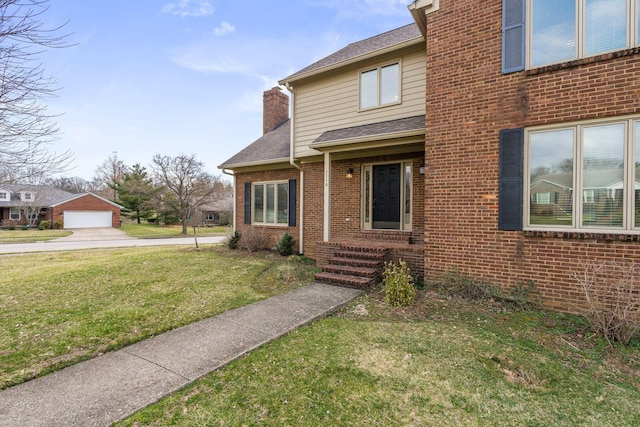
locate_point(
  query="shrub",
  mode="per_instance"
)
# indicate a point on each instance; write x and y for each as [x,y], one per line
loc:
[58,224]
[523,296]
[398,284]
[44,225]
[285,245]
[612,293]
[232,240]
[24,227]
[255,239]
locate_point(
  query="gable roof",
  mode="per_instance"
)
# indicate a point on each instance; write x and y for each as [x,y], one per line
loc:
[78,196]
[358,51]
[272,147]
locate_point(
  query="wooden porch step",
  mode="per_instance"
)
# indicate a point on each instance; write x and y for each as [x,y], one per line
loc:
[345,280]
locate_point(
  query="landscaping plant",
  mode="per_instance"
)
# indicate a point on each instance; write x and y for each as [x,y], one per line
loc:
[398,284]
[285,245]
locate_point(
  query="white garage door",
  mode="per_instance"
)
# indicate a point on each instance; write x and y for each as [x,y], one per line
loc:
[87,219]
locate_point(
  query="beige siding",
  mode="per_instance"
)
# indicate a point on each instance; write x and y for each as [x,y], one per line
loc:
[331,102]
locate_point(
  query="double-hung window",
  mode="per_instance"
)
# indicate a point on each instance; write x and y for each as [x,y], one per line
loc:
[270,203]
[380,86]
[591,168]
[14,214]
[544,32]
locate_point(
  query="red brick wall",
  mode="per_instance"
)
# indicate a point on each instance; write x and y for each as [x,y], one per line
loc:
[274,232]
[468,102]
[275,109]
[88,203]
[313,206]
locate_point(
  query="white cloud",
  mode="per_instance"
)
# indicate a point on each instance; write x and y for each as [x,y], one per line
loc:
[184,8]
[224,28]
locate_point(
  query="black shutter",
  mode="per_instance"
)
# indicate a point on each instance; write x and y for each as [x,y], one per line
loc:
[511,179]
[513,35]
[247,203]
[292,203]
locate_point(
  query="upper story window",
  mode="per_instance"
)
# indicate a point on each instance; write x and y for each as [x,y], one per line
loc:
[26,196]
[585,176]
[4,195]
[270,203]
[544,32]
[380,86]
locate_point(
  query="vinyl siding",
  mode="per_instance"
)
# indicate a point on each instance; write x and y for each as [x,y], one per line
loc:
[331,102]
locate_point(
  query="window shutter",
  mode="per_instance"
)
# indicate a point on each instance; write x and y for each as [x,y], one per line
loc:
[247,203]
[292,203]
[513,35]
[511,179]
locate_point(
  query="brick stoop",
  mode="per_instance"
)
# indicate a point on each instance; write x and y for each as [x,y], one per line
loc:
[354,266]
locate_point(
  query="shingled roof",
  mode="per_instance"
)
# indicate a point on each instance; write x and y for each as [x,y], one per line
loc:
[272,147]
[373,130]
[45,195]
[360,50]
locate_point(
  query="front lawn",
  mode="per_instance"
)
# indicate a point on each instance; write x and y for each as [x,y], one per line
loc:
[155,231]
[32,235]
[57,309]
[443,362]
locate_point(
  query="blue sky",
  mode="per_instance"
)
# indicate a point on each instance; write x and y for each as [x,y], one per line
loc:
[187,76]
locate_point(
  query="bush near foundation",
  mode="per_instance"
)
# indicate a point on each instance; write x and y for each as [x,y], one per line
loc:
[398,284]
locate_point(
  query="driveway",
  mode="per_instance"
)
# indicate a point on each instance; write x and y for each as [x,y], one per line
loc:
[90,234]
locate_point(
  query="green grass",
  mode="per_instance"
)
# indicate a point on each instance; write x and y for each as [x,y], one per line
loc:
[31,235]
[155,231]
[57,309]
[441,362]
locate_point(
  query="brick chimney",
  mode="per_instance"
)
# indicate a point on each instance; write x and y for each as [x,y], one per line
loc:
[275,109]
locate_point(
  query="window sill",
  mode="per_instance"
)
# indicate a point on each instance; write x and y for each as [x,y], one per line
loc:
[623,236]
[584,61]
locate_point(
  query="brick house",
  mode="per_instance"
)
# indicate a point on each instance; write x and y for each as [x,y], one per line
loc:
[525,170]
[29,204]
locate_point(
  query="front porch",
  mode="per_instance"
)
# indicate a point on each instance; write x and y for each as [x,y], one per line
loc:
[358,262]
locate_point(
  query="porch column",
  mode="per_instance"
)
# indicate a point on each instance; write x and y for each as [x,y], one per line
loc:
[327,196]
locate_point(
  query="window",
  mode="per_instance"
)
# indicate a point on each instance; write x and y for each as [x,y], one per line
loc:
[14,214]
[26,196]
[271,203]
[4,195]
[380,86]
[597,160]
[558,31]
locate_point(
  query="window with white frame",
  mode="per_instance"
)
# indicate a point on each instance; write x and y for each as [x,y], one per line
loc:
[599,160]
[4,195]
[572,29]
[26,196]
[380,86]
[270,203]
[544,32]
[14,214]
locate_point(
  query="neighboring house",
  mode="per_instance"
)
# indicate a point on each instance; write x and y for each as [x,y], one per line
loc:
[429,141]
[217,212]
[29,204]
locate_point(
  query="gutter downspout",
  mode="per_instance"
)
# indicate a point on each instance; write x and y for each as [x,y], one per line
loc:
[292,162]
[233,216]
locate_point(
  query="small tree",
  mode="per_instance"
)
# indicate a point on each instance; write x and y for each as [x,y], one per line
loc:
[136,192]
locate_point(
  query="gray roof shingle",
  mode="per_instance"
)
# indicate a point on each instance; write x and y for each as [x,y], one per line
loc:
[373,129]
[361,48]
[45,195]
[272,146]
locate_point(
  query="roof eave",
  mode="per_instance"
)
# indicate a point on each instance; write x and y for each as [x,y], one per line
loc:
[233,166]
[368,138]
[420,9]
[350,61]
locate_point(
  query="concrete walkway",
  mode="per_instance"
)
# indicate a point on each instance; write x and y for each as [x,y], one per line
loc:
[111,387]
